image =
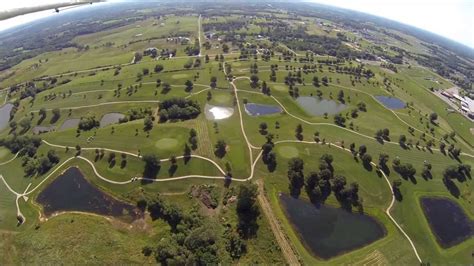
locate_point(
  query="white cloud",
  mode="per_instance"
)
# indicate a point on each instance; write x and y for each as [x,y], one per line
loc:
[453,19]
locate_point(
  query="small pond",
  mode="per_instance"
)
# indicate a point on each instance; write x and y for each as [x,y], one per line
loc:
[5,115]
[315,106]
[217,112]
[328,231]
[70,123]
[72,192]
[255,109]
[391,102]
[42,129]
[447,220]
[110,118]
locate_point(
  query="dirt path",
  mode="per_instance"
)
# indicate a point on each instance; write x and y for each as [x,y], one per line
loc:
[290,256]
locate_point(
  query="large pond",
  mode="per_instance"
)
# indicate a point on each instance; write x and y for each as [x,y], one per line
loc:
[328,231]
[391,102]
[447,220]
[255,109]
[315,106]
[5,115]
[70,123]
[72,192]
[111,118]
[213,112]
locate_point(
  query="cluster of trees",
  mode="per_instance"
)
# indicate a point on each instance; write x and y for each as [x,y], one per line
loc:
[179,109]
[319,185]
[26,145]
[220,148]
[193,50]
[88,122]
[406,170]
[382,134]
[135,114]
[27,148]
[453,172]
[42,115]
[194,239]
[40,164]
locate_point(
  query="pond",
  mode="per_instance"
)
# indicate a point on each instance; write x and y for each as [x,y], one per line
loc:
[217,112]
[72,192]
[391,102]
[5,115]
[447,221]
[70,123]
[111,118]
[328,231]
[315,106]
[42,129]
[255,109]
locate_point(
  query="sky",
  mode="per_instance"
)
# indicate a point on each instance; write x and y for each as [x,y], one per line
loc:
[453,19]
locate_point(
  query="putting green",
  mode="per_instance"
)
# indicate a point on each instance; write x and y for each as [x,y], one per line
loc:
[166,144]
[180,76]
[280,88]
[222,98]
[4,153]
[288,151]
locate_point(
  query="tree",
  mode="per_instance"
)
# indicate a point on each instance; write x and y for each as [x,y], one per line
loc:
[193,138]
[152,165]
[327,158]
[383,160]
[111,159]
[25,123]
[263,128]
[189,86]
[220,148]
[362,150]
[402,140]
[148,123]
[340,96]
[56,115]
[433,117]
[299,132]
[254,81]
[158,68]
[265,88]
[316,81]
[213,82]
[366,159]
[247,209]
[340,120]
[53,157]
[295,176]
[225,48]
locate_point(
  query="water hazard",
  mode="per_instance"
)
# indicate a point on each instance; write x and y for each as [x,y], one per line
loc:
[255,109]
[391,102]
[5,115]
[328,231]
[447,220]
[72,192]
[318,107]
